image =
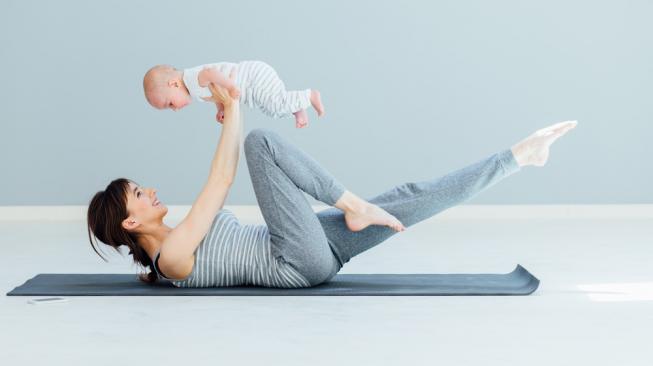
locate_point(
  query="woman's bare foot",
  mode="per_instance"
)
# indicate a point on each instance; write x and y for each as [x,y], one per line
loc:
[371,215]
[360,214]
[534,150]
[301,118]
[316,101]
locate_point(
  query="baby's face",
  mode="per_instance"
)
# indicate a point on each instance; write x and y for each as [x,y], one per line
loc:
[170,97]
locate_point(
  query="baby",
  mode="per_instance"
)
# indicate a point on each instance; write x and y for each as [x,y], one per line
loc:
[255,82]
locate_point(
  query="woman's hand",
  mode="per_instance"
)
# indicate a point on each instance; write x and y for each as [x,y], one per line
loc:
[221,95]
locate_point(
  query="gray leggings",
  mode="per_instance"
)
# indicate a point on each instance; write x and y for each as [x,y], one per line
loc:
[319,244]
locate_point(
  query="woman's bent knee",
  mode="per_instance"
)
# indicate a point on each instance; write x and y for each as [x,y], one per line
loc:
[323,272]
[257,141]
[258,135]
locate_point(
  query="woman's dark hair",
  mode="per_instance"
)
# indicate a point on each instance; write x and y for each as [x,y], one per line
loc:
[106,211]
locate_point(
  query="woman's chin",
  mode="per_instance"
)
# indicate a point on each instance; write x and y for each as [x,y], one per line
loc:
[161,209]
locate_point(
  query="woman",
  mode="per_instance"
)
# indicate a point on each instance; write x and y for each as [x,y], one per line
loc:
[297,247]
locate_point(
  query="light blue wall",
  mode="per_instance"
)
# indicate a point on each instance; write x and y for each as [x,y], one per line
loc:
[412,89]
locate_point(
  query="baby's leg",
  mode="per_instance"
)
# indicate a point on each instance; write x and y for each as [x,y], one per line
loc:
[316,102]
[301,119]
[269,94]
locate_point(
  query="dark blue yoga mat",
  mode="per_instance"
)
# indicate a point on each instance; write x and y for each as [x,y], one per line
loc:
[517,282]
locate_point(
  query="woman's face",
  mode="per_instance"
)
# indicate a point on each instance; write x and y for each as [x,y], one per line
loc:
[143,207]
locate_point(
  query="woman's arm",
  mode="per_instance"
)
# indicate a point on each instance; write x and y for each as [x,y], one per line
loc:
[177,251]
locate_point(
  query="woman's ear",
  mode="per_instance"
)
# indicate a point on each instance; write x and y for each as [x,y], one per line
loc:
[130,224]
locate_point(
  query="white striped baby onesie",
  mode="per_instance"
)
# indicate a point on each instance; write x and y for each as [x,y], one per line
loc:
[260,87]
[232,254]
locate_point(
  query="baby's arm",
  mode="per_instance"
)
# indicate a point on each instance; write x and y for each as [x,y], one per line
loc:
[212,75]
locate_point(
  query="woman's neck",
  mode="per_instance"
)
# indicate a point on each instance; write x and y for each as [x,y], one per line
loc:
[152,240]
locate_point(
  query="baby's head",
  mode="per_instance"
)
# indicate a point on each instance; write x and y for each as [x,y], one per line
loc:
[165,89]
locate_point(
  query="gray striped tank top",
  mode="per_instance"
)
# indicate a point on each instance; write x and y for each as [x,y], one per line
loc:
[232,254]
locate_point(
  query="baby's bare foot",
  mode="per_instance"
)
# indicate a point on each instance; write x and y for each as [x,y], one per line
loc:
[316,101]
[534,150]
[371,214]
[301,119]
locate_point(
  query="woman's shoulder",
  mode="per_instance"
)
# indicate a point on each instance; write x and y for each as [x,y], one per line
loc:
[223,221]
[179,273]
[225,215]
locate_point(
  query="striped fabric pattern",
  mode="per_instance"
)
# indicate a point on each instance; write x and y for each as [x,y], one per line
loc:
[259,85]
[232,254]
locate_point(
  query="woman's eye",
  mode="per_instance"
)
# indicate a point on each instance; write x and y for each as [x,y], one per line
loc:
[138,194]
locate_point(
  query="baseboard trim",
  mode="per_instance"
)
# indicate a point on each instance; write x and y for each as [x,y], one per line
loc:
[251,212]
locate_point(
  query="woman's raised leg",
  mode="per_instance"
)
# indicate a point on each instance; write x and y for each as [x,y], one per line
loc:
[413,202]
[416,201]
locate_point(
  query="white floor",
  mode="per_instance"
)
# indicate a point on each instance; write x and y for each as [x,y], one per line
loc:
[565,322]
